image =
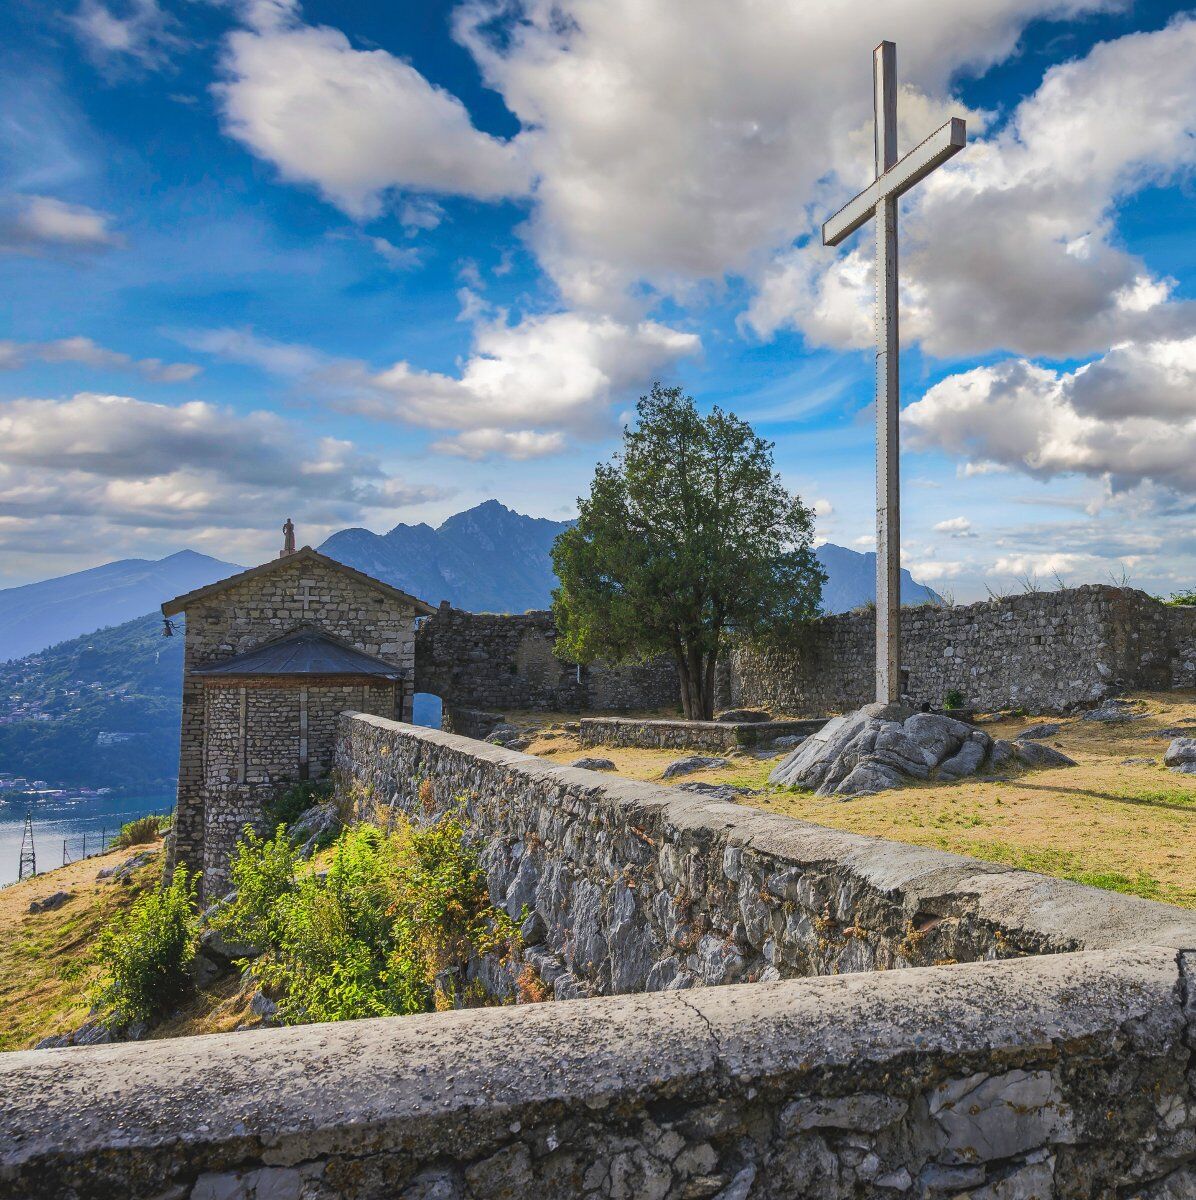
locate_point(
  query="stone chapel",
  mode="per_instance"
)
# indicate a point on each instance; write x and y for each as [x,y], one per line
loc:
[271,656]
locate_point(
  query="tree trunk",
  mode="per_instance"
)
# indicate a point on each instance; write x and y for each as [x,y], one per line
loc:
[697,675]
[709,683]
[686,682]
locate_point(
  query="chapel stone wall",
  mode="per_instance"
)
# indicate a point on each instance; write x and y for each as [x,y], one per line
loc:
[253,752]
[260,609]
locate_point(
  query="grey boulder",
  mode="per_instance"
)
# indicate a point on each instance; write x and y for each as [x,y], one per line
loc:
[502,735]
[50,902]
[1181,755]
[1113,712]
[1035,754]
[691,763]
[1033,733]
[743,715]
[321,822]
[593,764]
[883,746]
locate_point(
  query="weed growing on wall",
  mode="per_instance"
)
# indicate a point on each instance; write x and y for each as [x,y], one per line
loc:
[288,807]
[390,929]
[145,954]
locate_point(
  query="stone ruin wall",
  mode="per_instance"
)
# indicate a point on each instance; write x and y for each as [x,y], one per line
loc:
[989,1067]
[1045,651]
[502,661]
[722,736]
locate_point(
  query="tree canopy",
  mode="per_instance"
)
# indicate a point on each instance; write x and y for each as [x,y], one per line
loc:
[688,536]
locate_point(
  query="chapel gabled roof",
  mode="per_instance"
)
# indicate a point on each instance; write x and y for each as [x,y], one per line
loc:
[179,604]
[304,652]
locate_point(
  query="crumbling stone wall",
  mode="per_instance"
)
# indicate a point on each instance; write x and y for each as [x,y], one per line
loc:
[1183,646]
[1046,651]
[627,886]
[503,661]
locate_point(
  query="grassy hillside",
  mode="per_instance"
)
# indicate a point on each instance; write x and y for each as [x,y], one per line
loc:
[100,710]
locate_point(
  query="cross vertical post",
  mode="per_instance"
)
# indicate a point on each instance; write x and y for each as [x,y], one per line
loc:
[888,448]
[878,202]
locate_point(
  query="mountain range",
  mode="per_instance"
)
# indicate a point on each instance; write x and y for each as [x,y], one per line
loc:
[490,559]
[43,614]
[486,559]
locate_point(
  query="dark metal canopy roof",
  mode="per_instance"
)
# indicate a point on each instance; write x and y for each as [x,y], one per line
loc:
[306,652]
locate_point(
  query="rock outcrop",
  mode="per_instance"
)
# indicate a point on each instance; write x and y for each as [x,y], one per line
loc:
[691,763]
[883,746]
[1181,755]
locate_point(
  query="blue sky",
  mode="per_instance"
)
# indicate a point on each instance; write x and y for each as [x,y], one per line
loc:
[361,263]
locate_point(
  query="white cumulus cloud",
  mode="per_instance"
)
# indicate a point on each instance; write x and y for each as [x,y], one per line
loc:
[123,462]
[356,124]
[1128,417]
[1012,245]
[675,141]
[561,371]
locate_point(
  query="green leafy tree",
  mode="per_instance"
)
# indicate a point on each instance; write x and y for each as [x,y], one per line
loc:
[687,537]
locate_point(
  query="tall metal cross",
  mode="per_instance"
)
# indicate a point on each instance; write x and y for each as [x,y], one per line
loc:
[879,201]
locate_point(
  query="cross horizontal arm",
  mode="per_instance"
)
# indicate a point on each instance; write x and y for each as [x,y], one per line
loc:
[898,179]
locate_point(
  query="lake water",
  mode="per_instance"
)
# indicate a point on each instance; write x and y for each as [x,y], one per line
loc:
[55,820]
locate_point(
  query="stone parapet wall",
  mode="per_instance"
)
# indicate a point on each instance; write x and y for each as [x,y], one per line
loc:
[633,886]
[504,661]
[1045,651]
[688,735]
[1062,1076]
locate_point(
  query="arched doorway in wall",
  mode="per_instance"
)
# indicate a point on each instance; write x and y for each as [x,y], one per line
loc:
[427,709]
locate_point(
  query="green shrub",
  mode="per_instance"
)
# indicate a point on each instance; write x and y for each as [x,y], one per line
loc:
[263,872]
[389,930]
[138,832]
[145,953]
[1188,597]
[289,806]
[954,699]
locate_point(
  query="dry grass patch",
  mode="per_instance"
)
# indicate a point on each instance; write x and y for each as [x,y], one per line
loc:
[1127,827]
[45,967]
